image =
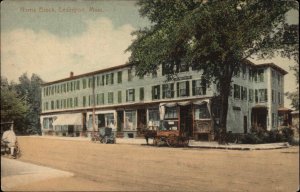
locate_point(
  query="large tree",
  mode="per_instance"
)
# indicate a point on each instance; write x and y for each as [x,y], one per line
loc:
[215,37]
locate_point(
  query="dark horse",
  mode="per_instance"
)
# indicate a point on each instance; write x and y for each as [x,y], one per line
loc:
[148,134]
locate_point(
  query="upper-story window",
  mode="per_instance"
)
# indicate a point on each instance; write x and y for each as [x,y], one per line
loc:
[251,95]
[199,87]
[278,78]
[109,79]
[154,74]
[130,95]
[91,82]
[183,89]
[100,99]
[110,98]
[182,67]
[260,75]
[119,76]
[168,90]
[156,92]
[263,95]
[243,93]
[119,96]
[236,73]
[142,93]
[273,96]
[167,68]
[244,71]
[83,83]
[130,75]
[236,91]
[279,98]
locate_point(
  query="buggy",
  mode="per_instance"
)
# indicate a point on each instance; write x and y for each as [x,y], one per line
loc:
[105,135]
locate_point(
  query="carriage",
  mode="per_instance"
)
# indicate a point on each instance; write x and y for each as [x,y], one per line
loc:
[167,134]
[105,135]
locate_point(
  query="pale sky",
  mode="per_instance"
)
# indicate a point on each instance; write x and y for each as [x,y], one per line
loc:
[52,38]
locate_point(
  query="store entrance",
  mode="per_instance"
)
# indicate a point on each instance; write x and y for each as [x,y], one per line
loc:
[186,119]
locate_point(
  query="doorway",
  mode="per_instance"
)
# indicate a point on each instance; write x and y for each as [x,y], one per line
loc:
[186,119]
[245,124]
[120,120]
[259,117]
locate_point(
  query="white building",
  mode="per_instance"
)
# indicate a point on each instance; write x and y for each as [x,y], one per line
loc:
[188,103]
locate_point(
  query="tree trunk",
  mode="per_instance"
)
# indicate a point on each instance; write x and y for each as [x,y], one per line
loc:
[225,89]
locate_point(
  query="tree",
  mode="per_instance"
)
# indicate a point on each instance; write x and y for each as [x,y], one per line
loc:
[294,96]
[30,90]
[213,36]
[13,107]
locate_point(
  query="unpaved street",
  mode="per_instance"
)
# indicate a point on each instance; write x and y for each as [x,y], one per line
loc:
[99,167]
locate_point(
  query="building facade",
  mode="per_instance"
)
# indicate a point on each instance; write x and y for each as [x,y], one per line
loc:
[117,98]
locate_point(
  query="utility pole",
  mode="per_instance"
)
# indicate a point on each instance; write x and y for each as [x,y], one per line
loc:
[93,97]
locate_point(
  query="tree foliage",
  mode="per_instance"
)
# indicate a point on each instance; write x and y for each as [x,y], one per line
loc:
[21,103]
[213,36]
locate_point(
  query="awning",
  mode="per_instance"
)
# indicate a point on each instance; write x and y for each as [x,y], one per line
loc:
[201,102]
[259,107]
[68,119]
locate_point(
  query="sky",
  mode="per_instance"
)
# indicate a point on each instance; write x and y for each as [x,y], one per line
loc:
[53,38]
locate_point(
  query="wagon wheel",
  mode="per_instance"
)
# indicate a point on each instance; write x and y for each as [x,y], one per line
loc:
[172,140]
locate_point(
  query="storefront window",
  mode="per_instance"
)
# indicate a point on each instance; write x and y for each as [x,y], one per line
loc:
[202,112]
[130,120]
[153,118]
[171,113]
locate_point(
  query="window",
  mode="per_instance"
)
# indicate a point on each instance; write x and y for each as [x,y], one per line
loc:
[154,74]
[171,113]
[47,123]
[76,102]
[65,103]
[156,92]
[129,74]
[183,89]
[256,96]
[83,83]
[78,85]
[119,96]
[168,90]
[142,94]
[130,120]
[273,96]
[244,72]
[236,73]
[199,87]
[91,82]
[119,76]
[263,95]
[201,112]
[167,68]
[52,105]
[57,104]
[237,91]
[279,98]
[110,98]
[182,67]
[260,74]
[244,93]
[109,79]
[251,95]
[130,95]
[250,74]
[100,99]
[278,78]
[84,101]
[153,117]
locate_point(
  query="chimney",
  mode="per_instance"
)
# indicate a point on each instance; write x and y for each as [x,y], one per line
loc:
[71,74]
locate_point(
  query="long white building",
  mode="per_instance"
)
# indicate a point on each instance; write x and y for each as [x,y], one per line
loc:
[129,103]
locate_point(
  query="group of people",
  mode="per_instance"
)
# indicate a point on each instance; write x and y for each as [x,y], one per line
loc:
[9,139]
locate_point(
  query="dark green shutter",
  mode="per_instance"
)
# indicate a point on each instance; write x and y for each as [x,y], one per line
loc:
[193,87]
[187,86]
[178,89]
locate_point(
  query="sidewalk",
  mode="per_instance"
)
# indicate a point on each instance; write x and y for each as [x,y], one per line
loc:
[192,143]
[15,173]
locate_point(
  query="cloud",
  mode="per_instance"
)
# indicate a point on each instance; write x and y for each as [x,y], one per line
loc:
[53,57]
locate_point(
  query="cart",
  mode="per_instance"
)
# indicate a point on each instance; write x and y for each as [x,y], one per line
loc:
[170,137]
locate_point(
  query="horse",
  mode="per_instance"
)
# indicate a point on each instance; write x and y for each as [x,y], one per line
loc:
[148,134]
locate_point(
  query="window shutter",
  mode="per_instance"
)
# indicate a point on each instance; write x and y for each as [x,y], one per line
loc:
[158,92]
[187,86]
[178,89]
[164,91]
[172,90]
[126,95]
[133,95]
[193,87]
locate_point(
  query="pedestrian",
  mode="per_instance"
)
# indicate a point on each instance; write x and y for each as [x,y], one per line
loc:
[10,138]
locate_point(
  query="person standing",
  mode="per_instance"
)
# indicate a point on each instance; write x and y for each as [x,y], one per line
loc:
[10,138]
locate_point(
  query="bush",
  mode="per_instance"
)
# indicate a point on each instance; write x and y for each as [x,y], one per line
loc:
[273,136]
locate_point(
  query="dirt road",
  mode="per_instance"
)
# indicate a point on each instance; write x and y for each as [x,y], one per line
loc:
[99,167]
